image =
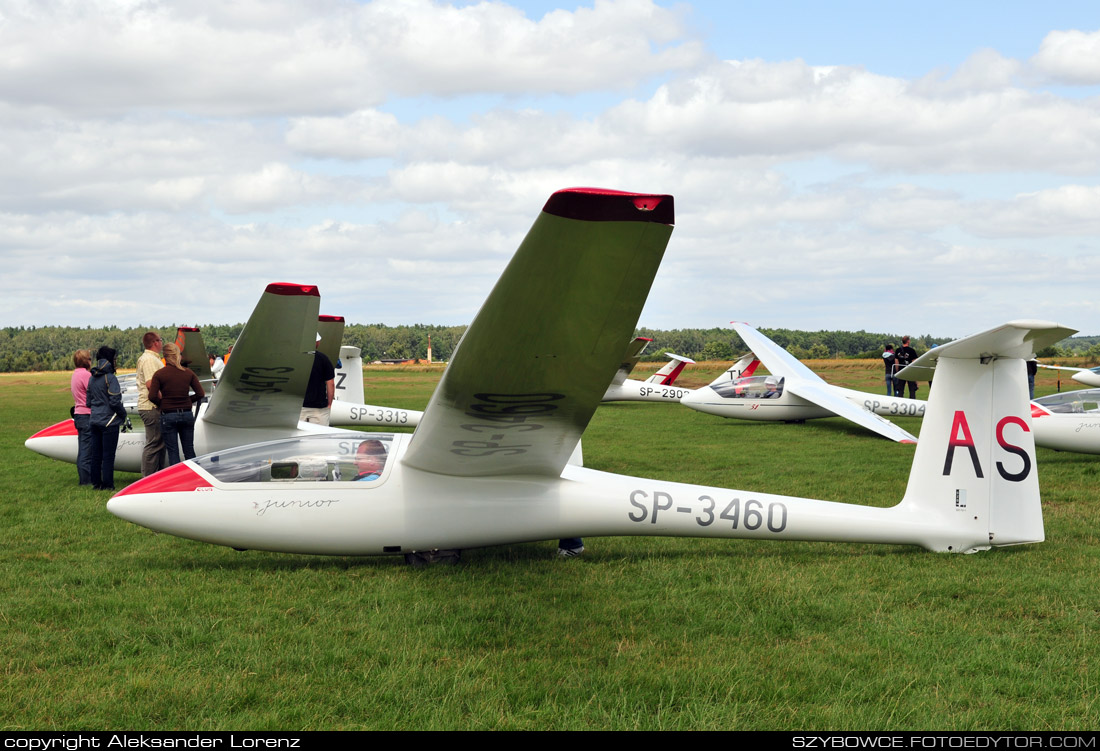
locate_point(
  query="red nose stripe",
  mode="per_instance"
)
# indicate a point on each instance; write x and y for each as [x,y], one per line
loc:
[65,427]
[176,479]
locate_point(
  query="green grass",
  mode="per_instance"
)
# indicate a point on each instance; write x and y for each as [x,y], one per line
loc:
[106,625]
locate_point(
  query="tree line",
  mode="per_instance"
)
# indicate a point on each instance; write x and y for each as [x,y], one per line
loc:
[33,348]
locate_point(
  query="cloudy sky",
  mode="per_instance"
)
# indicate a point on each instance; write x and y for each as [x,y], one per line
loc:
[927,167]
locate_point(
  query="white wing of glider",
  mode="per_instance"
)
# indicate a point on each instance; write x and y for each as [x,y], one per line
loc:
[804,383]
[265,380]
[1087,376]
[538,357]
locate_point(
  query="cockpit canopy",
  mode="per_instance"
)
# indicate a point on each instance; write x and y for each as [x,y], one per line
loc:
[1072,402]
[316,458]
[753,387]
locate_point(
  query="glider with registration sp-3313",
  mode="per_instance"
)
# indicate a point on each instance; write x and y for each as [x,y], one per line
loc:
[260,391]
[488,464]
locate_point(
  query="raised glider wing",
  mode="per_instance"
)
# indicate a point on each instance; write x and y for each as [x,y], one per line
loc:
[657,388]
[488,463]
[793,393]
[259,395]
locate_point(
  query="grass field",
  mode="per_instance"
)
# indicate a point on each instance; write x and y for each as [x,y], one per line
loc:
[108,625]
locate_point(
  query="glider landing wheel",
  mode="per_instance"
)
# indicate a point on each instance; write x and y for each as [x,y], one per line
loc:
[422,558]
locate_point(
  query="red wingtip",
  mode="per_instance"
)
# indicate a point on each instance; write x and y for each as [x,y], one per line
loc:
[906,440]
[282,288]
[333,319]
[1037,411]
[602,205]
[179,478]
[65,427]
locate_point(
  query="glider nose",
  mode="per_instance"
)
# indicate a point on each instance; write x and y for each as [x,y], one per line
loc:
[693,398]
[145,501]
[57,441]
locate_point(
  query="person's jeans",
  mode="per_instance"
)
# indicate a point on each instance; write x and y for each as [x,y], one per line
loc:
[83,448]
[178,428]
[104,443]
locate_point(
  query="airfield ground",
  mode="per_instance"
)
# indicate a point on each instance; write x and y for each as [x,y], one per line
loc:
[106,625]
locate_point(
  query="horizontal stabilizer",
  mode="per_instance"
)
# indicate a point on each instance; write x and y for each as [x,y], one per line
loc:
[1015,339]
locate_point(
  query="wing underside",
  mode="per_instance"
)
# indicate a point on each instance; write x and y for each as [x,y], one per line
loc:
[263,384]
[824,396]
[538,357]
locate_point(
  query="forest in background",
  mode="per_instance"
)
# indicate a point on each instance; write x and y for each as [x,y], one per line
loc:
[36,348]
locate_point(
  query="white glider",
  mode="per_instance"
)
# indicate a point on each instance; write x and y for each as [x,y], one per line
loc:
[488,464]
[1086,376]
[793,393]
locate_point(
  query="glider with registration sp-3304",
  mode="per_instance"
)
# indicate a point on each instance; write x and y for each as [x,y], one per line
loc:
[488,464]
[794,393]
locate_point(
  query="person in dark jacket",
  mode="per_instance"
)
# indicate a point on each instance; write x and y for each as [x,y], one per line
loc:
[108,415]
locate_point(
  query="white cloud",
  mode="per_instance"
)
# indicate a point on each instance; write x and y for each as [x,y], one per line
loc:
[283,57]
[1070,57]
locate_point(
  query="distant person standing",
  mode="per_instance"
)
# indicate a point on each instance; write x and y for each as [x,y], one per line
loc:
[890,361]
[216,365]
[107,417]
[152,456]
[170,389]
[905,356]
[1032,370]
[82,416]
[320,390]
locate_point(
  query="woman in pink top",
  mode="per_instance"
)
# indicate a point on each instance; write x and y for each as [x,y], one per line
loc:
[82,416]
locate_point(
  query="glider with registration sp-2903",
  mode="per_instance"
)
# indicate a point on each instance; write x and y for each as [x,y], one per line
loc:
[489,462]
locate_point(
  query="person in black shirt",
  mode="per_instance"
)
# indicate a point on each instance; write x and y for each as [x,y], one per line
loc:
[905,355]
[320,391]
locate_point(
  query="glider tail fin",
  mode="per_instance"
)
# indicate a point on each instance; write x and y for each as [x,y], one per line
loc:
[974,480]
[743,368]
[349,375]
[667,375]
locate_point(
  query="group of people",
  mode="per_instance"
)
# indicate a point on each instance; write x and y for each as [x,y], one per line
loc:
[166,391]
[894,362]
[98,414]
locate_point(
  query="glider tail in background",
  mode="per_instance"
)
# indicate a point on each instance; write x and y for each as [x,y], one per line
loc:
[193,352]
[974,467]
[349,376]
[668,374]
[743,368]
